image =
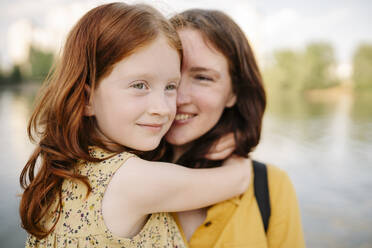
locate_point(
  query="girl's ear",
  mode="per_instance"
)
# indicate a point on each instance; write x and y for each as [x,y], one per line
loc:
[88,108]
[231,101]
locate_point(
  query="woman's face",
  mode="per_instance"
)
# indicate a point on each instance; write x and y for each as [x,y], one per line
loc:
[204,92]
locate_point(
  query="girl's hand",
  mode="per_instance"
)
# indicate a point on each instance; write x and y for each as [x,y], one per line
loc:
[223,148]
[244,163]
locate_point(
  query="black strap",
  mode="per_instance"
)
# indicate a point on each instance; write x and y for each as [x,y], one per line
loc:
[261,191]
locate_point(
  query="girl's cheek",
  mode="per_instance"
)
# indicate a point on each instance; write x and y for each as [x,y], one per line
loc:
[172,101]
[173,106]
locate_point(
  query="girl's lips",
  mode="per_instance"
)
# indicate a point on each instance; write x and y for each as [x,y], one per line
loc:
[152,127]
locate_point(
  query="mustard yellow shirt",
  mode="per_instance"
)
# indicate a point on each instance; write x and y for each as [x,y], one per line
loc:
[237,222]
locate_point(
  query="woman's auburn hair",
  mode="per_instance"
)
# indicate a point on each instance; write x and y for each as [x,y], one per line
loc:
[101,38]
[244,119]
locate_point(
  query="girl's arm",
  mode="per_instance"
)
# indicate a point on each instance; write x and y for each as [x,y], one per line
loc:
[164,187]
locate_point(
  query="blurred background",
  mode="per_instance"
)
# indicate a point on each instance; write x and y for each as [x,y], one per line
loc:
[316,58]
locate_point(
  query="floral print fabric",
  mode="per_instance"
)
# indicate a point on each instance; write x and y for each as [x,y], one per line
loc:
[81,223]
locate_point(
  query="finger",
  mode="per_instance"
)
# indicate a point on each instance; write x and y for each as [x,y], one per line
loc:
[227,137]
[220,155]
[223,143]
[226,143]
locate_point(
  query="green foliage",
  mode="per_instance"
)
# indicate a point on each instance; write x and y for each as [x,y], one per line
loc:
[12,77]
[320,61]
[40,62]
[35,69]
[303,70]
[15,75]
[2,78]
[362,63]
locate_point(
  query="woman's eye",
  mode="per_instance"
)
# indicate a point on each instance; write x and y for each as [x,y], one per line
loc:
[139,86]
[203,78]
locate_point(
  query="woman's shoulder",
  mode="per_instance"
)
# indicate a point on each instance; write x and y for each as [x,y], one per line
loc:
[279,183]
[275,173]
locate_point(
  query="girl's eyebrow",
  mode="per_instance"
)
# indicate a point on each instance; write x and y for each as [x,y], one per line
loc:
[146,76]
[149,76]
[175,78]
[132,76]
[139,75]
[204,69]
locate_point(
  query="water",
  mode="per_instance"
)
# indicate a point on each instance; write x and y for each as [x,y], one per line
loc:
[325,145]
[323,142]
[14,149]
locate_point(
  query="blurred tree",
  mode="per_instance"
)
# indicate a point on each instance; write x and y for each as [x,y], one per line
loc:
[320,62]
[286,71]
[12,77]
[362,63]
[2,77]
[16,75]
[299,71]
[40,62]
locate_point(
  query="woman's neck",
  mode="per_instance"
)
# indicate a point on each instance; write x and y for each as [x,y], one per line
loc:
[178,151]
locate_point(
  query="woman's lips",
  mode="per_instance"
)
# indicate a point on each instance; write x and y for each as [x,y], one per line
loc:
[182,118]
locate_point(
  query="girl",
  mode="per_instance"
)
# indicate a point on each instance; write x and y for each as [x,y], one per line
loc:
[110,99]
[221,92]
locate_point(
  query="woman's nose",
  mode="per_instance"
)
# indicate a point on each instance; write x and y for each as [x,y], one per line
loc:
[183,92]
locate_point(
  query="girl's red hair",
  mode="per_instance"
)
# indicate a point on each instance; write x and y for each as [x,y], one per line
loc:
[101,38]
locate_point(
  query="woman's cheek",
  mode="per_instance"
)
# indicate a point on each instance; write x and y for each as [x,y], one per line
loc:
[208,100]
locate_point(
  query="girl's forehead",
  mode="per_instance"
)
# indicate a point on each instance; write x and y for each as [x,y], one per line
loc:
[158,58]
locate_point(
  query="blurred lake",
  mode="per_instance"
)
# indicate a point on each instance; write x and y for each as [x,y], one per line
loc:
[323,141]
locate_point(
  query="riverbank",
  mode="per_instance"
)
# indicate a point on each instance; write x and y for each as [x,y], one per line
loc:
[331,94]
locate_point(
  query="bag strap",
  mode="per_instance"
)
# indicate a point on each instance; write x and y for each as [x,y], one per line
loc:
[261,191]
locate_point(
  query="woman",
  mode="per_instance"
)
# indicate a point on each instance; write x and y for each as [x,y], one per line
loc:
[221,92]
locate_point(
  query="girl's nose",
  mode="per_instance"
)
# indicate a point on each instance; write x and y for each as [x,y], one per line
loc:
[160,105]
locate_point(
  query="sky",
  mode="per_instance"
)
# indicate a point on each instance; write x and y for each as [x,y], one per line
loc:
[268,24]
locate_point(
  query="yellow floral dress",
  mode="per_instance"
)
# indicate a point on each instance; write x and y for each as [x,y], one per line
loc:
[81,223]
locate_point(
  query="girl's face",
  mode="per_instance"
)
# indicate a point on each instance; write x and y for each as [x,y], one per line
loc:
[204,92]
[136,103]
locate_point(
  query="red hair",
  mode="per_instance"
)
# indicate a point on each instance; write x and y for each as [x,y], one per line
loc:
[101,38]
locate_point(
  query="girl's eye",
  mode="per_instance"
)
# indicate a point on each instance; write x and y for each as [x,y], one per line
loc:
[203,78]
[139,86]
[171,87]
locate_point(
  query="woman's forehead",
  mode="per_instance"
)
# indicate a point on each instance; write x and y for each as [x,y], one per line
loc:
[198,53]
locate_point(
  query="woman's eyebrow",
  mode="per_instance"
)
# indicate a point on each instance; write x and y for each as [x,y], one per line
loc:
[204,69]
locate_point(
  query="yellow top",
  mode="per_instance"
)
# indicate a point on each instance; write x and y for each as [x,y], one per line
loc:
[237,222]
[81,223]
